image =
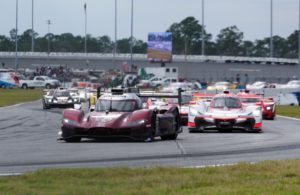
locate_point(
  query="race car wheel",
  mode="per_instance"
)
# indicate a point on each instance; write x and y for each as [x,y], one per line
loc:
[150,137]
[68,136]
[45,106]
[169,137]
[257,130]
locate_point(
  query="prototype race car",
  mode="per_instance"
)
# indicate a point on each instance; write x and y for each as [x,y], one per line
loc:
[59,98]
[268,105]
[225,112]
[119,114]
[166,103]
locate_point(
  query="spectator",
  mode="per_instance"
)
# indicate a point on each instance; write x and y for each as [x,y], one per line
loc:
[246,79]
[237,78]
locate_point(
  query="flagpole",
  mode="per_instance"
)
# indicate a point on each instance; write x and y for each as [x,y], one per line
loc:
[203,40]
[85,29]
[131,37]
[271,29]
[116,28]
[32,28]
[16,38]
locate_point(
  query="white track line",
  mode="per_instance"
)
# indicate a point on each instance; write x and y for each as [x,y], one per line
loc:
[9,174]
[17,105]
[287,117]
[216,165]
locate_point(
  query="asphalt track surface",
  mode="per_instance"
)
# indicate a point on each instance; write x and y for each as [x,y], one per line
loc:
[28,141]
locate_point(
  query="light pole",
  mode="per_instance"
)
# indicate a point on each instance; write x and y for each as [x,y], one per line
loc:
[203,41]
[116,28]
[131,37]
[299,45]
[16,37]
[49,23]
[85,29]
[32,26]
[271,29]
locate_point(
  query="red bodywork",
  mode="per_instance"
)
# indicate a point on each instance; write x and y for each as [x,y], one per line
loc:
[140,124]
[268,105]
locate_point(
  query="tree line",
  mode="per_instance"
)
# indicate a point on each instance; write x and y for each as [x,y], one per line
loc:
[187,40]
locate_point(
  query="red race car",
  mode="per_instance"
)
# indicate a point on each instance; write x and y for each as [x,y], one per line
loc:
[119,114]
[268,105]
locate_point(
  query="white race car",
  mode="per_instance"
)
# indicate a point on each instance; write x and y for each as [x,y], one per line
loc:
[224,112]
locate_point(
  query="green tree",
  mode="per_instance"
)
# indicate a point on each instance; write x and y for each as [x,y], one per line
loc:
[229,41]
[25,40]
[280,47]
[140,47]
[123,45]
[187,36]
[105,44]
[247,48]
[6,44]
[292,44]
[261,48]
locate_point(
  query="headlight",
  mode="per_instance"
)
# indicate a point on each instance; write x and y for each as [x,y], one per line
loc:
[54,101]
[269,108]
[70,101]
[137,123]
[49,100]
[70,122]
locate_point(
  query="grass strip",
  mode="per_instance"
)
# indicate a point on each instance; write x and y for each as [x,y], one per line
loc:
[268,177]
[14,96]
[291,111]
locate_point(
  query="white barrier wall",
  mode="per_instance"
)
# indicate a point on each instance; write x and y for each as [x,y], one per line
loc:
[176,58]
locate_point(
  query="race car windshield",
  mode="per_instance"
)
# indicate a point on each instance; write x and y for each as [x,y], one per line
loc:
[116,105]
[250,100]
[229,102]
[62,94]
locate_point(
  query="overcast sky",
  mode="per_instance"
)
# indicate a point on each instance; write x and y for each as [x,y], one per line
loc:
[251,16]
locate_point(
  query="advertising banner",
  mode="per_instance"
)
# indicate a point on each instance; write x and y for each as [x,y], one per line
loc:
[159,47]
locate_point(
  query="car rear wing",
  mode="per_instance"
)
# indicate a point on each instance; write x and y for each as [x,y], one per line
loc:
[163,95]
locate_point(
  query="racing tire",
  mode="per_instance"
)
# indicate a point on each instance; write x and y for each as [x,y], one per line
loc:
[68,136]
[150,137]
[45,106]
[169,137]
[24,86]
[257,130]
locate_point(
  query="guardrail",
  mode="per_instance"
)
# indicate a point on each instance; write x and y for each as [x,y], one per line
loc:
[143,57]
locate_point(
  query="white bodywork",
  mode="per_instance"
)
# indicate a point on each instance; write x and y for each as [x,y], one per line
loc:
[202,107]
